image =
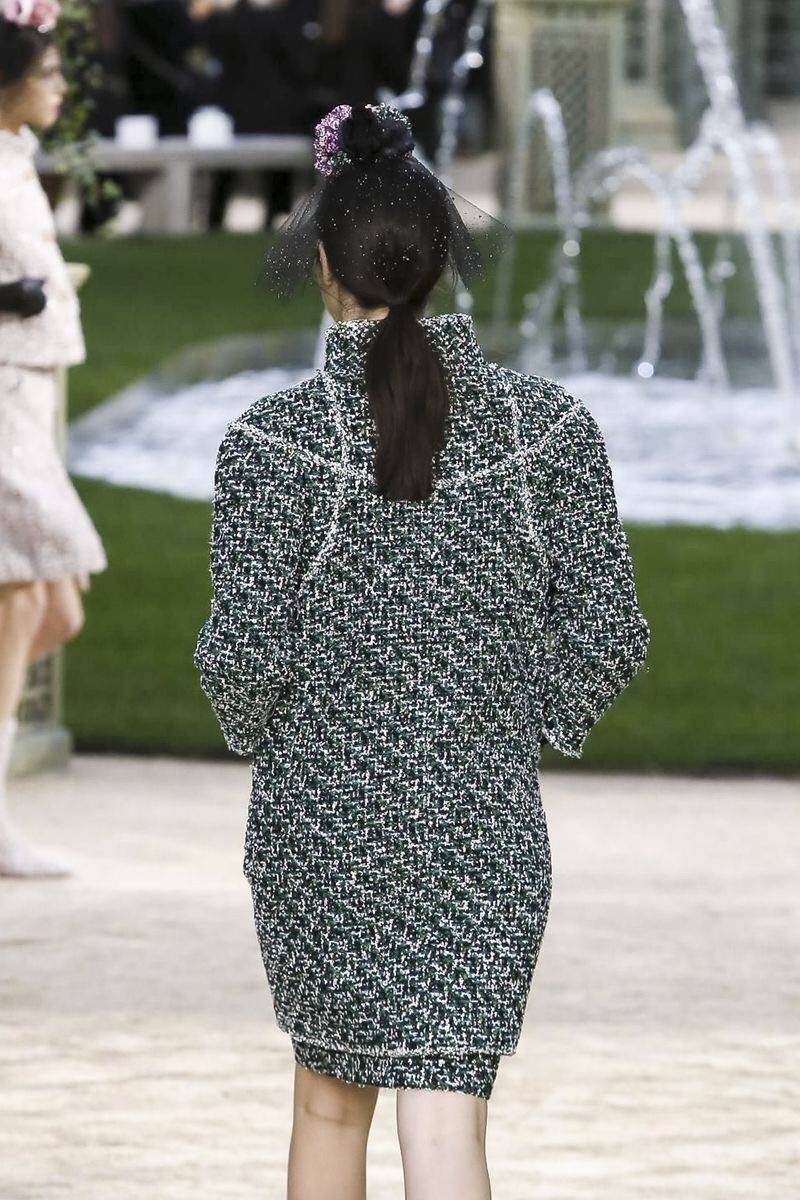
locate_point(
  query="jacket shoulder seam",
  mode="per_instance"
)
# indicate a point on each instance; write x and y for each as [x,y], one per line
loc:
[292,448]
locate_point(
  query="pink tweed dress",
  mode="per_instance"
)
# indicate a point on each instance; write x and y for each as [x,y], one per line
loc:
[45,530]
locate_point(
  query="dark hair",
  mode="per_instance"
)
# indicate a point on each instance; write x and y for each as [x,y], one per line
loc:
[20,46]
[392,249]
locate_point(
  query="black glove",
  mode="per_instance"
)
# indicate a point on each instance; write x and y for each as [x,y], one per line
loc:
[24,296]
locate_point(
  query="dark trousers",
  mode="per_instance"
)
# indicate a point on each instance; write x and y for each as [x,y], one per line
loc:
[276,189]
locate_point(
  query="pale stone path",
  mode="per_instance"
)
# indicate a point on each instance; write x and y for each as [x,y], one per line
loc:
[660,1058]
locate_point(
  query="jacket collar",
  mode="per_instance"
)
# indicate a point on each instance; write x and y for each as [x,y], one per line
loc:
[25,141]
[451,334]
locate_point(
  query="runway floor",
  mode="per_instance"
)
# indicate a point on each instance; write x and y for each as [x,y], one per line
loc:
[660,1057]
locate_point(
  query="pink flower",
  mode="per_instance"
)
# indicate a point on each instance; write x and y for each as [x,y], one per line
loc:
[18,11]
[42,14]
[328,155]
[45,14]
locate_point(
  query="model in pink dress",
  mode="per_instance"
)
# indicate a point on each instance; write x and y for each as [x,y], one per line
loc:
[48,543]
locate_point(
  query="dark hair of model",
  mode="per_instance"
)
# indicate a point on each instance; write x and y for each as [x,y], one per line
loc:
[20,47]
[391,250]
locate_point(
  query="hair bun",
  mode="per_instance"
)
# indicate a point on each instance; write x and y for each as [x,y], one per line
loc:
[374,132]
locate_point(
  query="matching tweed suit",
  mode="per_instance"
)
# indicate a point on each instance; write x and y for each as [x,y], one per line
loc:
[392,668]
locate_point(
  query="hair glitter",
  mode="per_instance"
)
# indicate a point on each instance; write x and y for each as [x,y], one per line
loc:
[329,157]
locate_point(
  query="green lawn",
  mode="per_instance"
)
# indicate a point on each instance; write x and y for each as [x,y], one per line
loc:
[720,689]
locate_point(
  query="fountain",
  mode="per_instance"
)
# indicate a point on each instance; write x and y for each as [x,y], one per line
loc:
[470,58]
[703,447]
[723,130]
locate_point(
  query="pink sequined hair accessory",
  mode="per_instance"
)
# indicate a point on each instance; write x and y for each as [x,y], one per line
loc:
[370,174]
[329,156]
[40,14]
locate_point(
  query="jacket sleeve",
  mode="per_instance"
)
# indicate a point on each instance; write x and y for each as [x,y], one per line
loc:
[244,650]
[597,638]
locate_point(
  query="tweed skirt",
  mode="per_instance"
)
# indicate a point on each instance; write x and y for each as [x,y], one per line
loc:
[45,531]
[474,1073]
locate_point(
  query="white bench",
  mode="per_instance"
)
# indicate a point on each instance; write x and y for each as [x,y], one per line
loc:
[169,167]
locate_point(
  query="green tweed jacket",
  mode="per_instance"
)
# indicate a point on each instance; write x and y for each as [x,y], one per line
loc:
[392,668]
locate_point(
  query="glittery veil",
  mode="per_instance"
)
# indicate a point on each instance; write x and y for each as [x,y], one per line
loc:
[471,239]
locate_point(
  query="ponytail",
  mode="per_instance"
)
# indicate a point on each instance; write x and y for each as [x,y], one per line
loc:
[409,400]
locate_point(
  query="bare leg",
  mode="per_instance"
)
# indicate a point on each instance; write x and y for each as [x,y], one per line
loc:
[328,1148]
[443,1144]
[63,618]
[22,609]
[34,618]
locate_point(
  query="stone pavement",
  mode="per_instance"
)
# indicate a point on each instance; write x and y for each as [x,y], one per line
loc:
[661,1053]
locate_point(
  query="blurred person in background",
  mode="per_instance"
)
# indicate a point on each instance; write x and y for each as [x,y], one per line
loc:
[167,68]
[150,62]
[109,99]
[48,543]
[267,54]
[112,97]
[365,45]
[449,44]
